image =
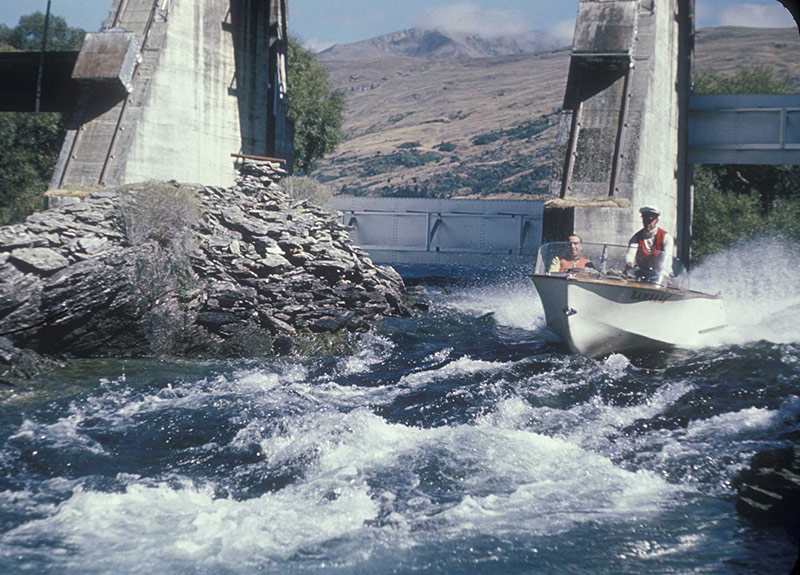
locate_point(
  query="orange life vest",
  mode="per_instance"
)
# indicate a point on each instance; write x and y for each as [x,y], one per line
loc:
[647,258]
[567,265]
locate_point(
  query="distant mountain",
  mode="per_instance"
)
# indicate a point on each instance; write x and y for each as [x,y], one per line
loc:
[418,43]
[425,125]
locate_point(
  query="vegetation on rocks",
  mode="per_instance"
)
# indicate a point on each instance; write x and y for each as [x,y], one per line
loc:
[165,269]
[305,188]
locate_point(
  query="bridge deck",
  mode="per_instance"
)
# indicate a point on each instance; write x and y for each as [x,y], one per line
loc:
[19,72]
[434,231]
[744,129]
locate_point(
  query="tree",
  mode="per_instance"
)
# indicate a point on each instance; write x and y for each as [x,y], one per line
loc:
[5,38]
[29,147]
[30,143]
[721,218]
[27,35]
[316,110]
[747,80]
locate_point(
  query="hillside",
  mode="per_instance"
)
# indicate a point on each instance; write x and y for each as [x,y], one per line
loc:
[477,127]
[418,43]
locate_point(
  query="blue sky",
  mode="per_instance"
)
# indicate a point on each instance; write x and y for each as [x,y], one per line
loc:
[320,23]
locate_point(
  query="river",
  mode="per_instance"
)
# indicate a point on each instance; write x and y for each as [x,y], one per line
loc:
[461,441]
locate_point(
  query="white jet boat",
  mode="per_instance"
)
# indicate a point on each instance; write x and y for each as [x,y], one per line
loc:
[599,310]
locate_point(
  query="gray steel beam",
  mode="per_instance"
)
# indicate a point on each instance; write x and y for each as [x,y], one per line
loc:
[18,76]
[744,129]
[433,231]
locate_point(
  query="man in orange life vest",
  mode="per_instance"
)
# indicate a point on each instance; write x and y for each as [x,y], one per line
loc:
[650,250]
[573,259]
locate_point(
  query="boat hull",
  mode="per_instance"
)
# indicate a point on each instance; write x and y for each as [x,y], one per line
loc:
[598,316]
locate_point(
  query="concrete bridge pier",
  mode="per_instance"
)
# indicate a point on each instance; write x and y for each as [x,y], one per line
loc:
[623,127]
[171,88]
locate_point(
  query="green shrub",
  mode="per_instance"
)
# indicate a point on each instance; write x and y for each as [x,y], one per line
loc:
[404,159]
[721,219]
[521,131]
[305,188]
[159,211]
[488,138]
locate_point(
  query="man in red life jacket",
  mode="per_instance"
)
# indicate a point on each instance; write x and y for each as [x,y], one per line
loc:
[649,256]
[572,259]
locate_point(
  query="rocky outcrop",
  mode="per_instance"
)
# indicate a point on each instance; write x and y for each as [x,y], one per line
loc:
[166,268]
[769,490]
[19,364]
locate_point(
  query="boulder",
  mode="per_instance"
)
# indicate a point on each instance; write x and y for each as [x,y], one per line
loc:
[218,272]
[769,490]
[42,261]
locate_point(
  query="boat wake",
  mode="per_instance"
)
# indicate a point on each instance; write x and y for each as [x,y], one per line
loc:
[760,292]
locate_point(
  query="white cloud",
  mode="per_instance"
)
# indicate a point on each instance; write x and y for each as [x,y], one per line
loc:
[315,44]
[564,31]
[756,16]
[469,18]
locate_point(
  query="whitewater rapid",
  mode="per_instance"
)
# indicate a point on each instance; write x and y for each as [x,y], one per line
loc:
[460,441]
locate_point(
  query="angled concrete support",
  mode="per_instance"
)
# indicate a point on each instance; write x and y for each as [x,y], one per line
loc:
[624,117]
[170,89]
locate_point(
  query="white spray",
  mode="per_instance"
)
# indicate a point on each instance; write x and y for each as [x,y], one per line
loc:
[760,287]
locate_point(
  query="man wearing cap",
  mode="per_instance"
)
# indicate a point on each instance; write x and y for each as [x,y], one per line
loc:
[650,249]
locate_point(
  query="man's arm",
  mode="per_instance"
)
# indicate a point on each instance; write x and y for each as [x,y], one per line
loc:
[664,263]
[555,265]
[630,255]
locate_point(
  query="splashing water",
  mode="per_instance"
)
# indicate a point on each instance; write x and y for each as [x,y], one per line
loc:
[760,291]
[459,441]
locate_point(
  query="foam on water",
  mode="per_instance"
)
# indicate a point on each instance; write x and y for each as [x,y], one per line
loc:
[590,424]
[463,366]
[374,350]
[761,293]
[340,464]
[513,303]
[359,482]
[158,527]
[64,434]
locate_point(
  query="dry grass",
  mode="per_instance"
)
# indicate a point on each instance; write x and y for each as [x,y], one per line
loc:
[159,211]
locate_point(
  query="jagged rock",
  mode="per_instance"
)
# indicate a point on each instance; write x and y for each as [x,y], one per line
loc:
[272,264]
[95,306]
[18,364]
[43,261]
[769,490]
[252,269]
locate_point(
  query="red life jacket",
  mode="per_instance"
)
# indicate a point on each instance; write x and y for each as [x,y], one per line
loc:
[647,258]
[567,265]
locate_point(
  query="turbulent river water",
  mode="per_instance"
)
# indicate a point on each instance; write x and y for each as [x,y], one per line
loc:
[464,440]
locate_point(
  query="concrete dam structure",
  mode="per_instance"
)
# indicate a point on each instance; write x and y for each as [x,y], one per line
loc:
[182,89]
[623,133]
[630,130]
[178,89]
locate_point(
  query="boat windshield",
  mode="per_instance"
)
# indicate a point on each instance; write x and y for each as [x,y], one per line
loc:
[602,259]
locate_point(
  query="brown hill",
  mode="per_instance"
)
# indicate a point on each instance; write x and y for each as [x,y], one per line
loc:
[421,43]
[477,127]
